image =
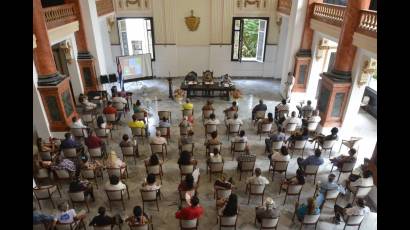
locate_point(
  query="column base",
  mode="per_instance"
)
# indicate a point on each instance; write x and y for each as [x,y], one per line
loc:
[50,80]
[84,55]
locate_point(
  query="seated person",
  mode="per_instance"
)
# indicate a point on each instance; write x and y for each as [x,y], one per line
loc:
[224,183]
[110,109]
[186,159]
[86,163]
[153,160]
[158,140]
[93,142]
[208,105]
[315,118]
[185,140]
[103,220]
[191,77]
[279,111]
[138,217]
[349,210]
[298,136]
[330,184]
[214,157]
[135,123]
[364,181]
[269,211]
[40,218]
[151,184]
[67,216]
[292,120]
[310,160]
[62,163]
[164,123]
[212,120]
[299,179]
[257,179]
[358,172]
[84,101]
[242,138]
[188,186]
[266,120]
[101,124]
[126,142]
[187,105]
[306,209]
[191,212]
[340,160]
[185,123]
[114,162]
[116,98]
[228,206]
[258,107]
[214,140]
[234,121]
[46,147]
[138,108]
[81,186]
[234,107]
[246,156]
[283,155]
[115,184]
[279,135]
[69,142]
[306,111]
[77,123]
[322,138]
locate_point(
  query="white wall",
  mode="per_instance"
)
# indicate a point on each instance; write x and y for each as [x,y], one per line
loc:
[106,44]
[281,46]
[40,119]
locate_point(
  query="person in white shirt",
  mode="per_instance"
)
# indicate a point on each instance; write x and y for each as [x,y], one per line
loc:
[292,120]
[349,210]
[77,123]
[234,121]
[242,138]
[67,216]
[257,179]
[212,120]
[215,156]
[158,139]
[279,108]
[283,155]
[315,117]
[115,184]
[366,180]
[118,98]
[84,101]
[151,184]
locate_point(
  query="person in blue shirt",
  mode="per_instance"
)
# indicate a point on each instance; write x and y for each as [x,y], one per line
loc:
[40,218]
[69,142]
[306,209]
[278,136]
[311,160]
[330,184]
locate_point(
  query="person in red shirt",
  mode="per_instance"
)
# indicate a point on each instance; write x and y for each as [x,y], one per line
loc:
[93,142]
[109,109]
[191,212]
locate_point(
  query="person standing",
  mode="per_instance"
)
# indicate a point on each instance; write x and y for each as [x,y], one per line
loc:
[289,85]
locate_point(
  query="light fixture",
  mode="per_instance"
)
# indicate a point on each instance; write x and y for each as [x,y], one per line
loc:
[368,69]
[321,48]
[65,46]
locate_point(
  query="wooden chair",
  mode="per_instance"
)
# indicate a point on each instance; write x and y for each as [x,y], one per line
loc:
[246,166]
[228,222]
[330,194]
[215,168]
[206,114]
[70,226]
[116,196]
[91,174]
[353,220]
[62,175]
[312,126]
[269,223]
[210,128]
[71,154]
[186,169]
[211,148]
[159,149]
[138,133]
[310,220]
[290,128]
[187,112]
[256,190]
[311,170]
[233,129]
[154,169]
[88,118]
[279,167]
[182,193]
[106,227]
[120,107]
[277,145]
[283,113]
[187,147]
[166,114]
[229,114]
[165,132]
[292,190]
[141,117]
[183,131]
[103,134]
[238,147]
[45,193]
[96,153]
[299,145]
[264,129]
[78,197]
[79,133]
[40,226]
[142,226]
[149,196]
[42,175]
[360,191]
[328,146]
[220,193]
[258,116]
[189,224]
[347,167]
[121,173]
[130,152]
[111,119]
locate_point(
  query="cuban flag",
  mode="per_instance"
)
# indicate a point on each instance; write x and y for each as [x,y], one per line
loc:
[119,70]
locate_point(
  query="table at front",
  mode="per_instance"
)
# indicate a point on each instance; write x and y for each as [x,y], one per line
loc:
[207,90]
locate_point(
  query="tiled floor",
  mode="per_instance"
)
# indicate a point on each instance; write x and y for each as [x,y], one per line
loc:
[154,95]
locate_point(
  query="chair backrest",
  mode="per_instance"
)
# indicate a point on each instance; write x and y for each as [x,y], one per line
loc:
[311,169]
[266,127]
[311,219]
[61,226]
[42,193]
[277,144]
[156,148]
[300,144]
[87,173]
[139,227]
[354,219]
[183,130]
[207,113]
[148,195]
[136,131]
[260,114]
[247,165]
[140,115]
[216,166]
[311,126]
[239,146]
[166,114]
[294,189]
[187,112]
[87,117]
[222,193]
[106,227]
[283,113]
[114,171]
[230,114]
[188,223]
[163,130]
[331,194]
[280,165]
[154,169]
[77,196]
[45,156]
[114,194]
[101,132]
[269,222]
[42,173]
[290,127]
[118,105]
[127,151]
[228,221]
[347,166]
[111,117]
[217,146]
[186,169]
[95,152]
[62,173]
[70,153]
[257,188]
[209,128]
[328,144]
[362,191]
[188,147]
[78,132]
[234,128]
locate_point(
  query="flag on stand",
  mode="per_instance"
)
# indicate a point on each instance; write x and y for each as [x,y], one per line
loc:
[119,70]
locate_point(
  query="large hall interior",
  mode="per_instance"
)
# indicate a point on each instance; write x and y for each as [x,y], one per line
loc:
[205,114]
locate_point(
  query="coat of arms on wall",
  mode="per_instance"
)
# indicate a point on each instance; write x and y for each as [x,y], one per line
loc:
[192,22]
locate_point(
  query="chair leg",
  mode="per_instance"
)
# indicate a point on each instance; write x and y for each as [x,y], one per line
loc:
[109,202]
[249,197]
[285,198]
[143,206]
[86,204]
[240,175]
[332,168]
[52,202]
[339,176]
[157,204]
[123,205]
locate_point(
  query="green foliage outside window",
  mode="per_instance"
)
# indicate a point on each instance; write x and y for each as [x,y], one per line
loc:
[250,38]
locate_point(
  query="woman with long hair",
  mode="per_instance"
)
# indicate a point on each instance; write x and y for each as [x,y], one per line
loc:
[138,217]
[186,159]
[230,205]
[114,162]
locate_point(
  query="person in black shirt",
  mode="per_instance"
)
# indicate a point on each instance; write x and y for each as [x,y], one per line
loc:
[103,220]
[77,186]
